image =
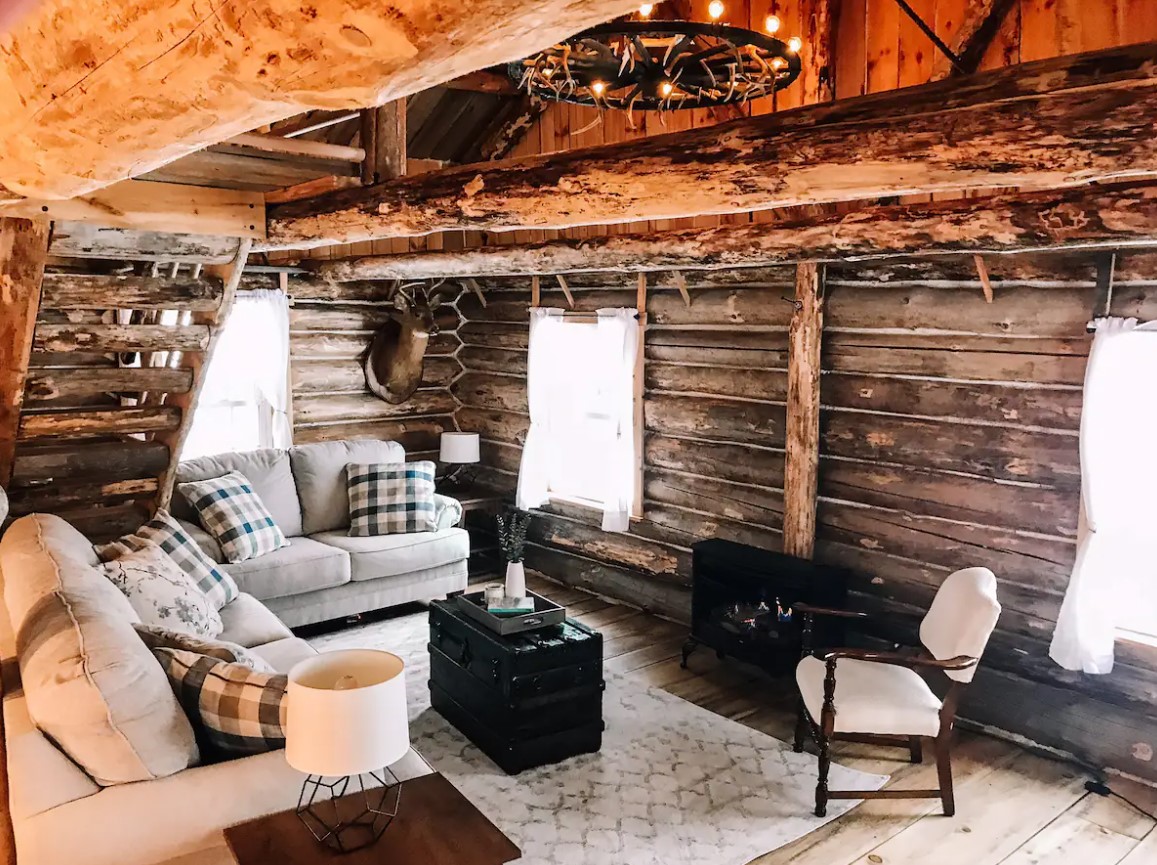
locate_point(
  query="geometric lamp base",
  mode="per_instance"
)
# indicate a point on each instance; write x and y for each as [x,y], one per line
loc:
[349,824]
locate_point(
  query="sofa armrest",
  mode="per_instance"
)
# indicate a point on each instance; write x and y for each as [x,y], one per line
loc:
[447,511]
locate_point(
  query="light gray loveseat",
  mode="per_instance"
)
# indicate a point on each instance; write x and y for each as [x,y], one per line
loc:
[323,573]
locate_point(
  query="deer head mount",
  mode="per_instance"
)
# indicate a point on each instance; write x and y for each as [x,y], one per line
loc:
[394,359]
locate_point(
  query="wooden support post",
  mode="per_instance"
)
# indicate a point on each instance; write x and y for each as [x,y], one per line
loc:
[641,295]
[384,141]
[23,249]
[681,284]
[562,283]
[802,456]
[535,291]
[985,282]
[198,362]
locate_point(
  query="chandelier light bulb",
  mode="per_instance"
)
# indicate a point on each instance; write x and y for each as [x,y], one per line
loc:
[598,87]
[646,9]
[778,63]
[795,43]
[666,88]
[772,24]
[715,10]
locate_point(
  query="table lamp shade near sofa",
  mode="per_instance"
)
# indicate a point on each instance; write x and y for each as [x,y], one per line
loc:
[346,713]
[459,448]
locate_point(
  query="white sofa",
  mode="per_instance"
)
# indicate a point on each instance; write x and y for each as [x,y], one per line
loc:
[323,573]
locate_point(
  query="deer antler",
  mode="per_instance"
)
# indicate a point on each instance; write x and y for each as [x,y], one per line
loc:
[439,292]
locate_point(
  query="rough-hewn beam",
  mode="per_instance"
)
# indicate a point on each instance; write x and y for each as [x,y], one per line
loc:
[1061,122]
[1111,217]
[94,93]
[23,249]
[167,207]
[802,431]
[974,34]
[86,240]
[384,140]
[116,291]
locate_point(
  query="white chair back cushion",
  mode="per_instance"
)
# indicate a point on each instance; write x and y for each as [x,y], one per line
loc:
[962,617]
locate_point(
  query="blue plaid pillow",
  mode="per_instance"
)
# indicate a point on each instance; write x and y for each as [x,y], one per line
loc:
[235,516]
[165,532]
[234,710]
[391,498]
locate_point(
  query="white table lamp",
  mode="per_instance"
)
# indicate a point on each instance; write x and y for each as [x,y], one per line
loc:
[346,722]
[458,449]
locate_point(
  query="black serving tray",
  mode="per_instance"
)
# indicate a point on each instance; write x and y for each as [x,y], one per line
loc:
[545,614]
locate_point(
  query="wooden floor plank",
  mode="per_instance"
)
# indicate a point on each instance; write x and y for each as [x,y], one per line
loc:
[1144,853]
[1072,839]
[1118,816]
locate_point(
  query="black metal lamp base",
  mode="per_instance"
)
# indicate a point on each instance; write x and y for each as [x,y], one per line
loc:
[345,826]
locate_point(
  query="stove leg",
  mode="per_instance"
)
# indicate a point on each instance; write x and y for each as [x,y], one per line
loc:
[690,646]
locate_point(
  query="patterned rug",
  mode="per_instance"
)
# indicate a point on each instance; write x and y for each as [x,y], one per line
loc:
[674,784]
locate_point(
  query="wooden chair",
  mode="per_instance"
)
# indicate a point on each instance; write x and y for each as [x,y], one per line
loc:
[879,698]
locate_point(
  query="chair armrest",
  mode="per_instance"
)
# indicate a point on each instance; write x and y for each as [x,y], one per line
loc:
[447,511]
[960,662]
[810,610]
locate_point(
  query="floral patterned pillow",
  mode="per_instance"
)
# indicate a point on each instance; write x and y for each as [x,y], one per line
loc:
[162,594]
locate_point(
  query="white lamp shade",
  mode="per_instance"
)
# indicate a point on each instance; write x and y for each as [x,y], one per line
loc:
[346,713]
[459,447]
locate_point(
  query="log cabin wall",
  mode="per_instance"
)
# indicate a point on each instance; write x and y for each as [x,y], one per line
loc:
[330,326]
[949,439]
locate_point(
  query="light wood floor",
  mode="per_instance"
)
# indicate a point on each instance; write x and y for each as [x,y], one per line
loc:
[1013,807]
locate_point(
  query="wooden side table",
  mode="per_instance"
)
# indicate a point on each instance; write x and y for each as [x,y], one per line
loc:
[484,553]
[436,825]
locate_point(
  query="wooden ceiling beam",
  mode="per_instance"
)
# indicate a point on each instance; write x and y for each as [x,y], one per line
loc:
[1084,218]
[1061,122]
[95,93]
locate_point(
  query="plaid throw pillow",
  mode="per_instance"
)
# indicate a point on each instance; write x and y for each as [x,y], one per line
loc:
[232,513]
[165,532]
[234,710]
[391,498]
[156,637]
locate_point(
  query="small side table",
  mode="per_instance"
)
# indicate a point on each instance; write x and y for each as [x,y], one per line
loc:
[484,558]
[436,825]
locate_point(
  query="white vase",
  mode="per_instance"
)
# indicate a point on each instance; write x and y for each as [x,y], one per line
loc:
[515,580]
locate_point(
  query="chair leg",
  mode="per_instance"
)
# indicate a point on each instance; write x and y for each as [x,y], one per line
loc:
[822,783]
[916,749]
[800,728]
[944,770]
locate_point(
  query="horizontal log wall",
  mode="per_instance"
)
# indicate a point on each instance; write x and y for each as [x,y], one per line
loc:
[330,326]
[949,439]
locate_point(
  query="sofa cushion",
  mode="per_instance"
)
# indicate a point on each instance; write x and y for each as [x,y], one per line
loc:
[222,650]
[390,555]
[303,566]
[268,471]
[284,654]
[249,623]
[169,534]
[162,594]
[229,509]
[89,681]
[320,472]
[235,710]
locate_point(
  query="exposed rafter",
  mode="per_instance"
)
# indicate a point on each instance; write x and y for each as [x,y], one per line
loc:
[95,93]
[1060,122]
[975,33]
[1108,217]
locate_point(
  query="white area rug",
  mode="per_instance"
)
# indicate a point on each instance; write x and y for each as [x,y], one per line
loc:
[673,784]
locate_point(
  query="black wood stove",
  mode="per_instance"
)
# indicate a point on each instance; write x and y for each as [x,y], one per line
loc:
[742,601]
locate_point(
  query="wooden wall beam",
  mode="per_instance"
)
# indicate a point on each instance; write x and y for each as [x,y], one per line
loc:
[23,249]
[115,291]
[1100,216]
[1055,123]
[802,433]
[97,93]
[163,207]
[384,141]
[819,20]
[86,240]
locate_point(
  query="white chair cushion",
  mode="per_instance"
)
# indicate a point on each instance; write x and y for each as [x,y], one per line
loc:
[871,697]
[961,619]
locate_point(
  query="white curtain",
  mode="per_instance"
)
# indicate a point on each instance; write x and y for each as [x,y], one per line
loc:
[619,338]
[534,470]
[244,401]
[1116,563]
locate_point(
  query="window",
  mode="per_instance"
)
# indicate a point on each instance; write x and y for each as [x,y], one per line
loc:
[585,413]
[244,399]
[1113,590]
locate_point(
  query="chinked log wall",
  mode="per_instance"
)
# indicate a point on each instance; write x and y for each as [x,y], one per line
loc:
[949,439]
[330,326]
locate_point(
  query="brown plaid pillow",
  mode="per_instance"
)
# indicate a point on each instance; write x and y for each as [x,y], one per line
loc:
[234,710]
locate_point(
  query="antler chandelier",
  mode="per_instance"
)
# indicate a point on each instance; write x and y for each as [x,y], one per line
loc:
[661,65]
